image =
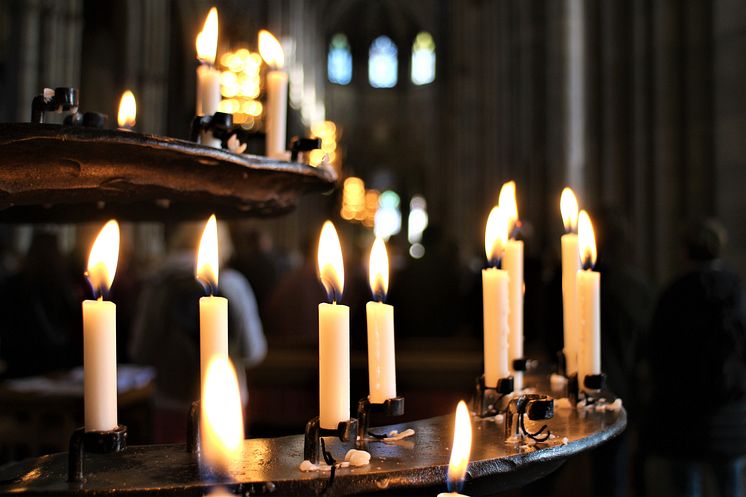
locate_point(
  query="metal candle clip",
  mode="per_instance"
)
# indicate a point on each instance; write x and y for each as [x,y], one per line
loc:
[536,407]
[220,125]
[95,442]
[300,145]
[345,431]
[487,400]
[593,386]
[389,408]
[59,100]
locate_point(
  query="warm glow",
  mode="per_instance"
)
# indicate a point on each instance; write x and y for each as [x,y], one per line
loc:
[460,449]
[127,110]
[586,241]
[331,266]
[102,261]
[496,234]
[221,423]
[569,210]
[379,270]
[207,39]
[508,203]
[271,50]
[207,255]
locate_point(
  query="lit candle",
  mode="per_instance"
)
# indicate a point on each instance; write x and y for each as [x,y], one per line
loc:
[513,264]
[100,334]
[334,334]
[221,425]
[208,77]
[213,310]
[589,301]
[381,351]
[495,300]
[277,95]
[127,115]
[570,266]
[460,451]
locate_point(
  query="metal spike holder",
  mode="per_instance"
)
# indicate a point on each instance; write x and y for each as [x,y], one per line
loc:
[220,125]
[193,436]
[54,100]
[346,431]
[390,408]
[497,394]
[94,442]
[536,407]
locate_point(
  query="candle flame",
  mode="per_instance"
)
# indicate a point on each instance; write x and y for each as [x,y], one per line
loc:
[207,255]
[460,449]
[379,270]
[569,210]
[207,39]
[271,50]
[127,110]
[330,262]
[221,425]
[586,241]
[102,261]
[508,203]
[496,235]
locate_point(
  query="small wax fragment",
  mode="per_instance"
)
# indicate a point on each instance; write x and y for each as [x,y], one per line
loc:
[308,466]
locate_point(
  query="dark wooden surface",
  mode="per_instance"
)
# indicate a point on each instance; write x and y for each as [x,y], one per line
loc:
[52,173]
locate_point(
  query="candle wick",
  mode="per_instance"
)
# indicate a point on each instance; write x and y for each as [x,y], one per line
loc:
[100,297]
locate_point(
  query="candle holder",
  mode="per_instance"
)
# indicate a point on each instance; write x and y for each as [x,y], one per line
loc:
[95,442]
[220,125]
[345,431]
[301,145]
[593,386]
[87,120]
[390,407]
[58,100]
[193,436]
[573,388]
[536,407]
[483,394]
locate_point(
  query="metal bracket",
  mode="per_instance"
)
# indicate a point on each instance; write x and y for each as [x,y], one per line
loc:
[95,442]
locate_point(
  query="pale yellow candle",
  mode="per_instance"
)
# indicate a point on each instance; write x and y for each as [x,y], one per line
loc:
[275,123]
[589,302]
[208,76]
[334,334]
[513,264]
[100,334]
[213,311]
[495,301]
[570,266]
[380,317]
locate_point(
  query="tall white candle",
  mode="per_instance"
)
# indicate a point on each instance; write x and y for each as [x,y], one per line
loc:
[570,266]
[208,76]
[100,335]
[275,123]
[381,350]
[213,311]
[513,264]
[589,302]
[495,301]
[334,334]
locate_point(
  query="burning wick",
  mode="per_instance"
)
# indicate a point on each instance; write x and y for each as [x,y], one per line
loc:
[460,451]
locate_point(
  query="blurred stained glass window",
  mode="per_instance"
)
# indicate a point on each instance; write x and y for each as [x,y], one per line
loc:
[423,59]
[339,60]
[382,63]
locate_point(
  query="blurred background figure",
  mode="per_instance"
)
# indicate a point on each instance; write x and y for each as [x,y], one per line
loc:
[697,356]
[166,330]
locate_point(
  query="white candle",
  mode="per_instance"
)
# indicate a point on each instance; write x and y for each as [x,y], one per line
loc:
[100,335]
[495,301]
[208,77]
[334,334]
[589,302]
[513,264]
[275,123]
[570,266]
[381,351]
[213,311]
